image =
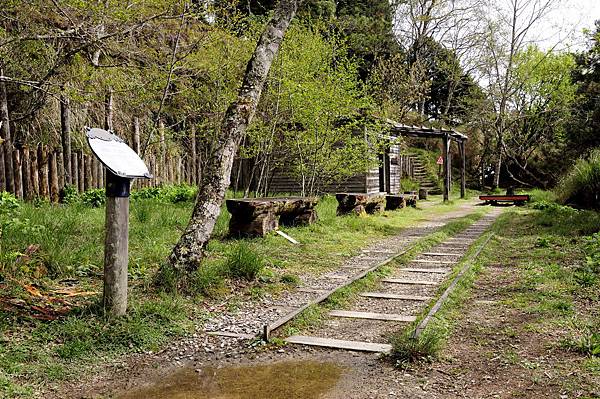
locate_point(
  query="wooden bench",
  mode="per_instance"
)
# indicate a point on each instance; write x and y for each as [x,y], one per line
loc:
[258,216]
[398,201]
[359,203]
[495,199]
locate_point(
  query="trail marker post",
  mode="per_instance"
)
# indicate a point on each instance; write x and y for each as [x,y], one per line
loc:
[122,165]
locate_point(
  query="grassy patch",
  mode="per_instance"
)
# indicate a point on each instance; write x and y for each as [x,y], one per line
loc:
[54,248]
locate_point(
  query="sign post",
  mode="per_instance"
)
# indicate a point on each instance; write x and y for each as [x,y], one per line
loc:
[122,165]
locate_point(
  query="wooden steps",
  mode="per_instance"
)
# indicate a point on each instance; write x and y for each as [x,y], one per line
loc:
[371,315]
[424,270]
[339,344]
[386,295]
[406,281]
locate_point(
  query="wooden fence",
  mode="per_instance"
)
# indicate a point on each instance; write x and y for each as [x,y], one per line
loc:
[42,172]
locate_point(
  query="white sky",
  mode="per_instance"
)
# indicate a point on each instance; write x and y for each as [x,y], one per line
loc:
[566,22]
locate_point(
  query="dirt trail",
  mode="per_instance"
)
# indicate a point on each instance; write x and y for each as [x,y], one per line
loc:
[364,375]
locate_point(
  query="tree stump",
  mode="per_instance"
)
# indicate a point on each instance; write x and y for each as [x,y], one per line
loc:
[359,203]
[423,193]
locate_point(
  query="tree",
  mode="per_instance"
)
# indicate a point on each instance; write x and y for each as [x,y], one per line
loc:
[187,253]
[583,134]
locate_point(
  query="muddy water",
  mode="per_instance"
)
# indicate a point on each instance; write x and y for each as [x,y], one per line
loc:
[287,380]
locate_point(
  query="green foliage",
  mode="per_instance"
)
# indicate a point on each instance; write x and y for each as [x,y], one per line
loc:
[94,198]
[8,203]
[69,195]
[243,262]
[408,184]
[291,279]
[172,193]
[407,349]
[581,185]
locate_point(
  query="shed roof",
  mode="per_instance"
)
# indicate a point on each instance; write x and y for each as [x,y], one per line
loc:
[423,131]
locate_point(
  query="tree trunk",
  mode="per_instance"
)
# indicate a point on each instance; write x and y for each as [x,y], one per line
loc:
[5,130]
[186,255]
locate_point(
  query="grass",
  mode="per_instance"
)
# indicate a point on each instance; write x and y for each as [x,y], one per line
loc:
[551,258]
[47,248]
[580,186]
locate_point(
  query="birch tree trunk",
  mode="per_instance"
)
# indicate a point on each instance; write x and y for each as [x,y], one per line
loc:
[187,253]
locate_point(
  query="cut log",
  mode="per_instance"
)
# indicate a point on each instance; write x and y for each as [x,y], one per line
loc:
[359,203]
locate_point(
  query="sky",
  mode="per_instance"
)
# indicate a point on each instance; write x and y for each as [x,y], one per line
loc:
[564,25]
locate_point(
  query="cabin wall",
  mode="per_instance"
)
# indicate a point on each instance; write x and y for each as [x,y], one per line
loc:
[282,182]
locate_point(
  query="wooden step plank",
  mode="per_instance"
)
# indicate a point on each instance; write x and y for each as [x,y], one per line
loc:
[406,281]
[440,254]
[371,315]
[339,344]
[424,270]
[387,295]
[443,262]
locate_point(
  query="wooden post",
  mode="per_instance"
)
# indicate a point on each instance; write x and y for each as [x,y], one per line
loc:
[2,176]
[65,129]
[5,134]
[163,154]
[75,170]
[116,244]
[446,154]
[60,162]
[27,184]
[18,177]
[463,163]
[35,175]
[81,172]
[88,172]
[53,177]
[43,168]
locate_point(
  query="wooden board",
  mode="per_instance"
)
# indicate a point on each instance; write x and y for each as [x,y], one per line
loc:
[339,344]
[440,254]
[387,295]
[442,262]
[371,315]
[405,281]
[424,270]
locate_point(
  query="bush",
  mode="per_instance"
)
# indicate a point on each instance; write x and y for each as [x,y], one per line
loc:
[94,198]
[172,194]
[69,195]
[581,185]
[8,203]
[243,262]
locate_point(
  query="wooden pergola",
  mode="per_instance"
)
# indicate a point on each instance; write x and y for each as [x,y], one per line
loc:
[447,137]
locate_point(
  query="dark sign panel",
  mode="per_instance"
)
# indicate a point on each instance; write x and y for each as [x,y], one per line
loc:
[116,155]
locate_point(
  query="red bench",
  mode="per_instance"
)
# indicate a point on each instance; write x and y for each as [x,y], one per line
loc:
[515,199]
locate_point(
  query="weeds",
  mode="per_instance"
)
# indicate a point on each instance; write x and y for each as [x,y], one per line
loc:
[408,349]
[581,184]
[243,262]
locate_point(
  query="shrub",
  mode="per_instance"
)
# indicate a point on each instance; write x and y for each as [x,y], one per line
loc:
[180,193]
[69,195]
[581,185]
[243,262]
[146,193]
[8,203]
[94,198]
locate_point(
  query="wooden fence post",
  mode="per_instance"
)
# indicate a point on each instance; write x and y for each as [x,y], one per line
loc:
[88,172]
[43,168]
[26,168]
[35,175]
[136,134]
[81,172]
[75,171]
[53,176]
[447,170]
[18,177]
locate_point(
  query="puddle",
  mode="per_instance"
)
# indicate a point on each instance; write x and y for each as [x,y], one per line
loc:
[286,380]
